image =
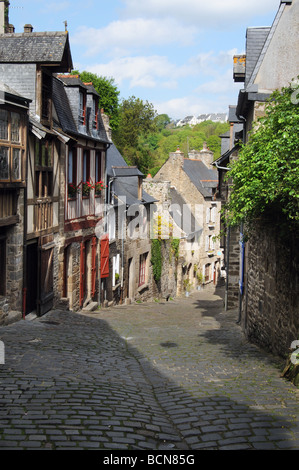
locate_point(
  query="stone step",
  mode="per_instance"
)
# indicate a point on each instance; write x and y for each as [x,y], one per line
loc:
[90,307]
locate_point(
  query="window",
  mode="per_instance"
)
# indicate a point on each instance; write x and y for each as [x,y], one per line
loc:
[95,105]
[86,166]
[210,244]
[72,173]
[82,107]
[43,168]
[12,146]
[115,274]
[46,97]
[142,269]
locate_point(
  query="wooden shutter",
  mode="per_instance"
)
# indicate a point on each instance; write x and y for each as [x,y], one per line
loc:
[105,257]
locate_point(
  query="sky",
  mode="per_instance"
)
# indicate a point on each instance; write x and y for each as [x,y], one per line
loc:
[175,54]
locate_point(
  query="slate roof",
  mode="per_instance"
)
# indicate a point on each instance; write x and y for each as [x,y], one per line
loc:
[255,40]
[125,188]
[9,93]
[47,47]
[65,116]
[202,177]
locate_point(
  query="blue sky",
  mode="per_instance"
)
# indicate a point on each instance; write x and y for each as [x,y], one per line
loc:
[176,54]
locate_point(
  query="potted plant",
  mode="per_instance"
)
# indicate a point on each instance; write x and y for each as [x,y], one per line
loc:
[99,186]
[87,187]
[72,190]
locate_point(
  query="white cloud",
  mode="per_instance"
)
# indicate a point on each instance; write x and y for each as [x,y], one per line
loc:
[143,71]
[197,12]
[119,37]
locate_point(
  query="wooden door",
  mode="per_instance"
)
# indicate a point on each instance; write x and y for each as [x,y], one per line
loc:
[45,285]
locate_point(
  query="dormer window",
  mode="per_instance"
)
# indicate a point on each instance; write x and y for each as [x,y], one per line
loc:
[82,108]
[95,108]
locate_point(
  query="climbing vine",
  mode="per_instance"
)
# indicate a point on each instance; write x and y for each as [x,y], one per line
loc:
[266,175]
[156,259]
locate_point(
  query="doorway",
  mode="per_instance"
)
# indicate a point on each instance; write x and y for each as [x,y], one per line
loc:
[31,276]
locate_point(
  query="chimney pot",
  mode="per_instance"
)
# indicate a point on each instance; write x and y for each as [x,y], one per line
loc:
[28,28]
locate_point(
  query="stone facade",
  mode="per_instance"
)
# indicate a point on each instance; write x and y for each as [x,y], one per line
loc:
[270,306]
[200,258]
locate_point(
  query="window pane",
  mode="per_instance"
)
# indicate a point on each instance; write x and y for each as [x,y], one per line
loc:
[4,163]
[15,127]
[3,124]
[16,164]
[70,172]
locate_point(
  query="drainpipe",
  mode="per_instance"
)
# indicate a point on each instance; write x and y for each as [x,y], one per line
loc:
[241,229]
[227,269]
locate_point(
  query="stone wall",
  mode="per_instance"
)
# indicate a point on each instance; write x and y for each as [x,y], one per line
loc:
[270,314]
[11,303]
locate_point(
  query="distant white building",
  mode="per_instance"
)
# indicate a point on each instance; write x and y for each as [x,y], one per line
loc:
[192,120]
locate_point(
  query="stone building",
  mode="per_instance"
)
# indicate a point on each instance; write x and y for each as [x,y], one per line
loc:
[269,311]
[83,191]
[230,236]
[13,162]
[193,185]
[128,228]
[28,61]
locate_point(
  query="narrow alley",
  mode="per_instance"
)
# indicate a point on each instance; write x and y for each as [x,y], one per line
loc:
[168,376]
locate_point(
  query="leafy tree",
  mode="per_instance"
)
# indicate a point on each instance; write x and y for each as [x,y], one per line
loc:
[109,94]
[136,122]
[266,175]
[162,120]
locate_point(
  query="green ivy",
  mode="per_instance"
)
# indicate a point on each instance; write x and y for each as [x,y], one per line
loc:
[266,175]
[156,259]
[175,247]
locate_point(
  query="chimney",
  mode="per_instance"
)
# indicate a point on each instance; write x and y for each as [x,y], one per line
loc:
[106,123]
[28,28]
[4,13]
[139,188]
[205,155]
[11,28]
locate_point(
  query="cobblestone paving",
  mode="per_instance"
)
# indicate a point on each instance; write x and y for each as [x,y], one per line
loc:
[175,375]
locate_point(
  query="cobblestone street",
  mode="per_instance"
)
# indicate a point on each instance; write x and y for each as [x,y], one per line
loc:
[175,375]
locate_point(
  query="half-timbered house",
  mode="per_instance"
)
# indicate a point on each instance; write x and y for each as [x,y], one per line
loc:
[13,156]
[28,61]
[83,242]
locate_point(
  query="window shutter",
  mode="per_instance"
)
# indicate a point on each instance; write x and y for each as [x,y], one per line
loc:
[105,257]
[207,242]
